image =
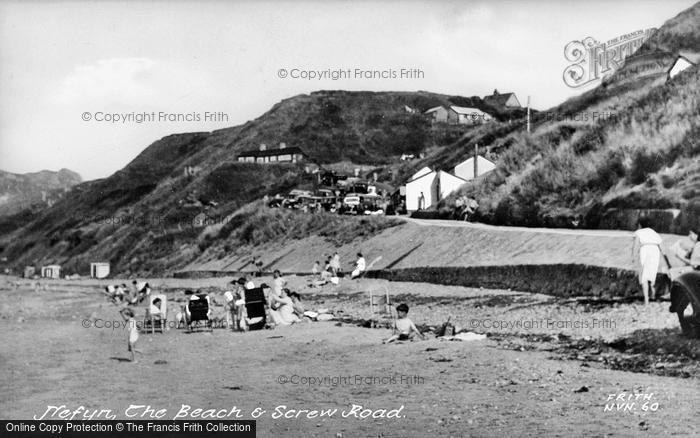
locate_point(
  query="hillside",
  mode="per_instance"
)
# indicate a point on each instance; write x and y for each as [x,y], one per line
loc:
[600,159]
[33,191]
[141,218]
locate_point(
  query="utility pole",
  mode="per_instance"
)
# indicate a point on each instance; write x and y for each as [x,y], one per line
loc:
[476,160]
[528,114]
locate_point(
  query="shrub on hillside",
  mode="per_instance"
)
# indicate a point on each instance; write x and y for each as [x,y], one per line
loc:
[611,169]
[643,164]
[590,140]
[255,225]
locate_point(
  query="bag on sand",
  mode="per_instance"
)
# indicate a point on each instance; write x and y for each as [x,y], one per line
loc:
[447,329]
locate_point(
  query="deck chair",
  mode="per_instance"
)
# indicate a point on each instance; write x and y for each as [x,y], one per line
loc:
[156,315]
[197,312]
[255,316]
[380,306]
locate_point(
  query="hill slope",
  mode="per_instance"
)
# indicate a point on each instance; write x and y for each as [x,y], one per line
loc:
[599,159]
[33,191]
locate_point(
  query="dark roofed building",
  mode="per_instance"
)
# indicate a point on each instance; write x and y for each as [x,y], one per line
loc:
[281,155]
[502,100]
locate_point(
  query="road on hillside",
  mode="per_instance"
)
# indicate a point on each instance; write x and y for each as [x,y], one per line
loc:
[478,225]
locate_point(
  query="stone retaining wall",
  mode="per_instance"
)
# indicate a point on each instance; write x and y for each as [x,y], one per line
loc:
[562,280]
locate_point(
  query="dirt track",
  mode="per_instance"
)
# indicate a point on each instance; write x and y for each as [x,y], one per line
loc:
[480,388]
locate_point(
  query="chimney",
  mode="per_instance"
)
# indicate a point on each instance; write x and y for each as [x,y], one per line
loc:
[283,145]
[263,146]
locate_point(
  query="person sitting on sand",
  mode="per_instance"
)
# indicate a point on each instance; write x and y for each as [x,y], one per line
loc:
[155,309]
[278,282]
[282,309]
[688,250]
[296,304]
[360,266]
[404,328]
[128,315]
[111,292]
[140,291]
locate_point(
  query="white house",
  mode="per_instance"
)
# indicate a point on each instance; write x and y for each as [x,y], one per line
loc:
[99,270]
[468,116]
[682,62]
[502,100]
[51,271]
[465,170]
[429,188]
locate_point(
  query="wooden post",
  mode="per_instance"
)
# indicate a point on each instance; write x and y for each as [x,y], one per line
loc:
[528,114]
[476,160]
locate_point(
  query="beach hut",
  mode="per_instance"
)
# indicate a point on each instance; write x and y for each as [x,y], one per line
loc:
[29,271]
[51,271]
[99,270]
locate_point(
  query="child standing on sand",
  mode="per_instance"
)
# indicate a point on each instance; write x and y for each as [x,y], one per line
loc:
[128,316]
[404,328]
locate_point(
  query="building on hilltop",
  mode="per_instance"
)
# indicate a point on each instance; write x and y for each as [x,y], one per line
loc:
[458,115]
[467,116]
[502,100]
[438,114]
[683,61]
[271,156]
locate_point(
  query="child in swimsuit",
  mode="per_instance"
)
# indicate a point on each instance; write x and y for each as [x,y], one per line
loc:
[404,328]
[128,315]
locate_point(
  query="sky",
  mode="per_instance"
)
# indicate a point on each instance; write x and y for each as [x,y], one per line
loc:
[185,66]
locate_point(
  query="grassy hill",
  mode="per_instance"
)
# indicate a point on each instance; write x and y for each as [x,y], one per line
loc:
[33,191]
[597,159]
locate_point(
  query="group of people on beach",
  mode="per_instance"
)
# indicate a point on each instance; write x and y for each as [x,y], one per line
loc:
[332,271]
[122,294]
[284,307]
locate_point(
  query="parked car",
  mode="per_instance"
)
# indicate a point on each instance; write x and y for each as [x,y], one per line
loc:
[275,202]
[351,204]
[325,193]
[685,302]
[290,202]
[372,204]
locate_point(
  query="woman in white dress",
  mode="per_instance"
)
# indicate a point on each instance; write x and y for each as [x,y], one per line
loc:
[648,242]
